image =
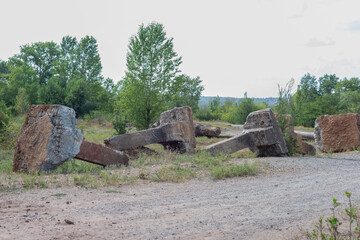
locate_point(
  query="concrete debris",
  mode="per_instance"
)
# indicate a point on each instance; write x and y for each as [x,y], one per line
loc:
[337,133]
[48,138]
[261,134]
[175,132]
[206,131]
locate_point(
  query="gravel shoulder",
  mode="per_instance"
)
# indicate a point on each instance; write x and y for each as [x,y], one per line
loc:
[291,192]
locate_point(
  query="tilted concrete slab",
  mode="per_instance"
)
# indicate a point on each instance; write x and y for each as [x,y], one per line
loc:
[176,132]
[101,155]
[261,134]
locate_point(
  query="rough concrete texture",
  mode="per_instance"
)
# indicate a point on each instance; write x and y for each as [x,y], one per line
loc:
[185,130]
[206,131]
[261,134]
[98,154]
[176,132]
[337,132]
[47,139]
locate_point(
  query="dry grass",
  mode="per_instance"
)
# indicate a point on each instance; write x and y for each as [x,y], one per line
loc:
[166,166]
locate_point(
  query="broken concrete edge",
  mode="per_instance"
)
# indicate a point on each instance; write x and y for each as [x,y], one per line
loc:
[143,138]
[206,131]
[337,133]
[101,155]
[262,119]
[175,133]
[261,134]
[47,139]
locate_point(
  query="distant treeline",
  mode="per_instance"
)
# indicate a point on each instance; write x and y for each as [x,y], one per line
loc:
[205,101]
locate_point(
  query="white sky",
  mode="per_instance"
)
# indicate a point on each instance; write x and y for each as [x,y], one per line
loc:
[234,46]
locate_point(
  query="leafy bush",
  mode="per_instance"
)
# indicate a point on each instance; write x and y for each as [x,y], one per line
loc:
[330,228]
[11,132]
[4,117]
[203,114]
[119,124]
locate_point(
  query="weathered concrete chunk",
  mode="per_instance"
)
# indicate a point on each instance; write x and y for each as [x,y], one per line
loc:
[261,134]
[337,132]
[101,155]
[47,139]
[176,132]
[206,131]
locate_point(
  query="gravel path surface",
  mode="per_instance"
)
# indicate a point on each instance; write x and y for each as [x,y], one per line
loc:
[293,191]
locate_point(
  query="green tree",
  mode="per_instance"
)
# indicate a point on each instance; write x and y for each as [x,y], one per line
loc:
[4,117]
[41,57]
[245,107]
[22,103]
[4,71]
[327,84]
[152,65]
[186,91]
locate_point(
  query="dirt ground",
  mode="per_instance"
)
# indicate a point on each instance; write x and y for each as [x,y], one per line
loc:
[292,192]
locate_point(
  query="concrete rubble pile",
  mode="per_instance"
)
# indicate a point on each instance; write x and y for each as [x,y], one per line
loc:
[261,134]
[175,132]
[48,138]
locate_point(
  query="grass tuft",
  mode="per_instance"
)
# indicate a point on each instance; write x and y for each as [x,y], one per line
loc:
[234,170]
[173,174]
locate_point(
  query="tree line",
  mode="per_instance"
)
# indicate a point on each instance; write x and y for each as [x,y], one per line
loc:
[315,97]
[70,73]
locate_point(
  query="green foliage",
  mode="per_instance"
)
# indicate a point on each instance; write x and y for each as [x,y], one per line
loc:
[173,174]
[119,124]
[203,114]
[48,73]
[22,103]
[330,228]
[229,111]
[234,170]
[327,95]
[186,91]
[10,133]
[6,161]
[284,112]
[152,65]
[4,117]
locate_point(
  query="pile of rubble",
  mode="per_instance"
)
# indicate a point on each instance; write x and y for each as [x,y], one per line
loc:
[48,137]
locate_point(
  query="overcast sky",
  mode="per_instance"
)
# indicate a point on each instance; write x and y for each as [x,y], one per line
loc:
[234,46]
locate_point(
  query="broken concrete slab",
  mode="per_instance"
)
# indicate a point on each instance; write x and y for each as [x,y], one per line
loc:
[101,155]
[206,131]
[261,134]
[176,132]
[337,133]
[48,138]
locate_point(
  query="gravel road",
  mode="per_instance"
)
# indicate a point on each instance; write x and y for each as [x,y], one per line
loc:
[293,191]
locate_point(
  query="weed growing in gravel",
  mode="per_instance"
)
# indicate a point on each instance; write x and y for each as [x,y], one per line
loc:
[234,170]
[173,174]
[112,191]
[330,228]
[59,195]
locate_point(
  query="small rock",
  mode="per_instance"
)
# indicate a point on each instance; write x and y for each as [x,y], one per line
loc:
[69,222]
